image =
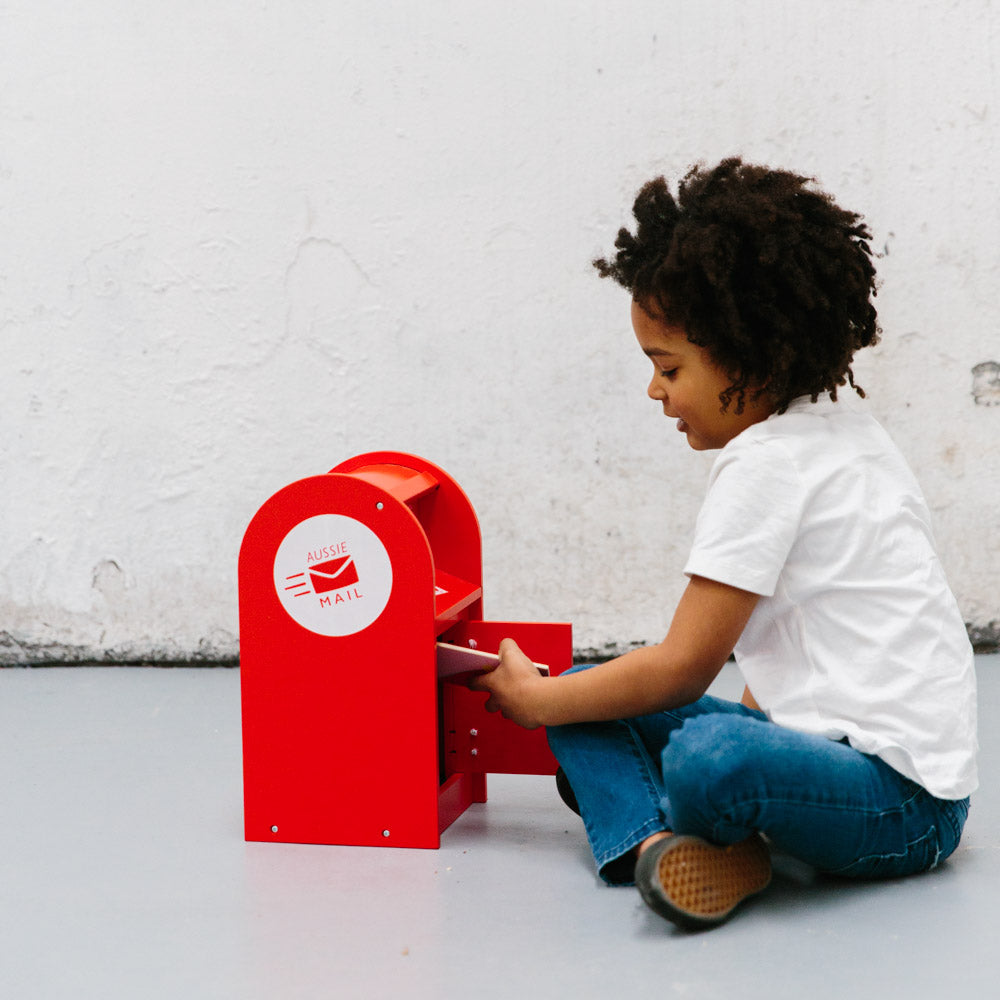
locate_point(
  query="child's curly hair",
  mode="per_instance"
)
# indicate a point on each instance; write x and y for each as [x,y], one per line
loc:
[771,277]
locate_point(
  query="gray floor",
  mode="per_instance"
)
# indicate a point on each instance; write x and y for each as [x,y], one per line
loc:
[125,875]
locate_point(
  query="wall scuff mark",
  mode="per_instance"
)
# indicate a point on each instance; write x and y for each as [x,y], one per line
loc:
[986,384]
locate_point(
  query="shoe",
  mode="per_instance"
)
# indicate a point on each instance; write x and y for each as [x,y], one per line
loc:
[565,791]
[698,885]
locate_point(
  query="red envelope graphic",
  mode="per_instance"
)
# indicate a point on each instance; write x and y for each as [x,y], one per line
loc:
[334,574]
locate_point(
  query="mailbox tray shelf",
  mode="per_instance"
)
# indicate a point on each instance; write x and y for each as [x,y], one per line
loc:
[453,595]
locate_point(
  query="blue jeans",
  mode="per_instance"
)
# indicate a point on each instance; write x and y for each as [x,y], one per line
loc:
[721,771]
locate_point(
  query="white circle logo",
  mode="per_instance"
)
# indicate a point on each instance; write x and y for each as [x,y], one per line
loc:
[333,575]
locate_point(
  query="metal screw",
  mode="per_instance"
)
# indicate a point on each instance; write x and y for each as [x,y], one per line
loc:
[379,505]
[274,829]
[475,752]
[473,732]
[385,833]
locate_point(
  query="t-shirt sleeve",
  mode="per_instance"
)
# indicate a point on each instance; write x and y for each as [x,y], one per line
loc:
[750,518]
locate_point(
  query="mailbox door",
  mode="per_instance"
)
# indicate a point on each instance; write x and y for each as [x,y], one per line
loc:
[481,742]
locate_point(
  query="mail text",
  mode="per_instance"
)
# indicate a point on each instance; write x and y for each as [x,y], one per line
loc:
[341,597]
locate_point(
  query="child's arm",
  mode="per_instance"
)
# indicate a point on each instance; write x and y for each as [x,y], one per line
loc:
[677,671]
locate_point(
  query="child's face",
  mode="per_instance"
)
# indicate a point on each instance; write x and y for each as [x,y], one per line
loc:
[687,382]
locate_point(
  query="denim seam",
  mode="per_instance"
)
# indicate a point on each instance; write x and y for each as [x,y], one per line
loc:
[830,806]
[956,826]
[648,828]
[911,845]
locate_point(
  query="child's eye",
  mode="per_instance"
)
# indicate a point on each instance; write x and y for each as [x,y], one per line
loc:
[669,373]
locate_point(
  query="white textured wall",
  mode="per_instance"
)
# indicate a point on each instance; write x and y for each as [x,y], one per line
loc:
[242,241]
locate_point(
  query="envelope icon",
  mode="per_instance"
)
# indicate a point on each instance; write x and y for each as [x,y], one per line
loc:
[333,574]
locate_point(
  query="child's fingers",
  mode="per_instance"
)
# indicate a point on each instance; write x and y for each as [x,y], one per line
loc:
[508,645]
[509,652]
[476,683]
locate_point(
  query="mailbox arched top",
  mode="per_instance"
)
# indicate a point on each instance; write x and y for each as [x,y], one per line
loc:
[439,503]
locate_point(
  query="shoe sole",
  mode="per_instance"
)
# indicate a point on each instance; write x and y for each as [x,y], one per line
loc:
[696,884]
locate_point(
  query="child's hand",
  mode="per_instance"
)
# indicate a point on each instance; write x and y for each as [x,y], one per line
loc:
[514,687]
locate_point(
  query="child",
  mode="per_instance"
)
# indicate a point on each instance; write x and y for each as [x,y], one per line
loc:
[854,747]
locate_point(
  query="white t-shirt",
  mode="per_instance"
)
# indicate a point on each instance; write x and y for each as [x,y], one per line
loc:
[857,633]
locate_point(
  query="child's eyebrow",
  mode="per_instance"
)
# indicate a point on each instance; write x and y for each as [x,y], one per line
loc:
[654,352]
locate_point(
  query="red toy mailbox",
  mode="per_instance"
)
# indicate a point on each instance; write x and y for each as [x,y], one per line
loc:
[347,582]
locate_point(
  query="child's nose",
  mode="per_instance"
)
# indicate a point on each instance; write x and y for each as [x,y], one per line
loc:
[656,390]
